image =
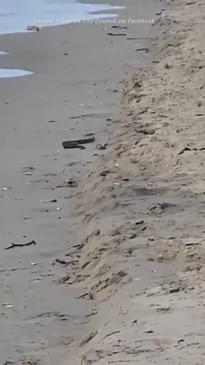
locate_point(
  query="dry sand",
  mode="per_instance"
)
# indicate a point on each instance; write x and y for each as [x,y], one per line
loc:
[136,215]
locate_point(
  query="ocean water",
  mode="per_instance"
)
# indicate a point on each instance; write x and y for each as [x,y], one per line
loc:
[6,73]
[17,15]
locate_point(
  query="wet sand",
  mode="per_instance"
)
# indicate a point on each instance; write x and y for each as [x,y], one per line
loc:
[74,90]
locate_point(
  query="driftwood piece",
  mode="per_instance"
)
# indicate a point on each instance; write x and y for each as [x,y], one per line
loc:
[117,34]
[119,27]
[13,245]
[142,50]
[69,145]
[78,143]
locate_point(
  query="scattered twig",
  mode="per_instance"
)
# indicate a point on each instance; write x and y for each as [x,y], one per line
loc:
[91,314]
[13,245]
[72,253]
[117,34]
[123,361]
[90,115]
[79,246]
[145,131]
[163,309]
[190,149]
[61,261]
[183,150]
[142,50]
[110,334]
[89,134]
[119,27]
[139,222]
[143,111]
[65,262]
[88,338]
[82,296]
[101,146]
[133,38]
[189,244]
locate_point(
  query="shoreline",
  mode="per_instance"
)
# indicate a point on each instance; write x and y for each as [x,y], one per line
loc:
[72,92]
[37,24]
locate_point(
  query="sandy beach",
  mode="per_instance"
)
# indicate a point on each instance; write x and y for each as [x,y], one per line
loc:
[114,271]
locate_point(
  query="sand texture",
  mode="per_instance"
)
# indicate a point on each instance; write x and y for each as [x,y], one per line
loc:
[142,207]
